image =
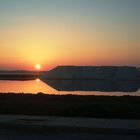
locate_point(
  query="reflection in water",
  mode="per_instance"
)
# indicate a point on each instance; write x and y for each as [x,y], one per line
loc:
[29,86]
[94,85]
[85,87]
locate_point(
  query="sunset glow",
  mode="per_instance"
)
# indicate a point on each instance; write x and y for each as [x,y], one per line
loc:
[37,80]
[38,67]
[68,32]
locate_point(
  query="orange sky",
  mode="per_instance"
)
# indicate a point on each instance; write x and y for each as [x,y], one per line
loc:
[74,34]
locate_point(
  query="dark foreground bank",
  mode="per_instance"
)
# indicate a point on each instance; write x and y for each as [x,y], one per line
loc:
[70,105]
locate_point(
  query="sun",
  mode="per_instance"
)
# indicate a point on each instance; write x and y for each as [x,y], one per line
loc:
[38,66]
[37,80]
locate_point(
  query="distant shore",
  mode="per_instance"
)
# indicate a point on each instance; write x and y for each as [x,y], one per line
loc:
[19,75]
[70,105]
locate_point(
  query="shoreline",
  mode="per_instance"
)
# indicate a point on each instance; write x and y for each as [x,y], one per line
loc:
[19,76]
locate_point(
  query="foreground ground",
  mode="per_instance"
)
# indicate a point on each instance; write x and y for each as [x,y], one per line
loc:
[23,127]
[70,105]
[6,134]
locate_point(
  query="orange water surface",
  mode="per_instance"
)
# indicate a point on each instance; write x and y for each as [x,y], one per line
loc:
[36,86]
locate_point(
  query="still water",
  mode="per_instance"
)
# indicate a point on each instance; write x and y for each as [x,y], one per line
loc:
[78,87]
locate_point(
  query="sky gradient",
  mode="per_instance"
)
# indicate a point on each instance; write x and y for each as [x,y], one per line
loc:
[69,32]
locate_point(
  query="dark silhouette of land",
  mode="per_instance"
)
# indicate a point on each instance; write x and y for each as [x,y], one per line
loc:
[93,72]
[70,105]
[19,75]
[94,85]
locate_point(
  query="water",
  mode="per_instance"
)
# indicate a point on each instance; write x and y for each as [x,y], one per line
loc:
[78,87]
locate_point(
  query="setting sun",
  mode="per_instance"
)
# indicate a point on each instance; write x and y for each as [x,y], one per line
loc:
[38,67]
[37,80]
